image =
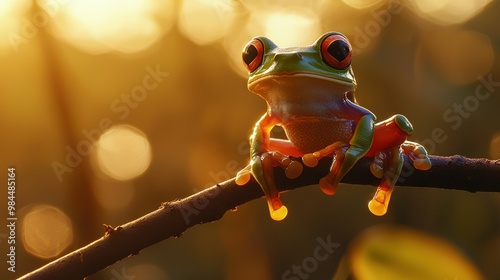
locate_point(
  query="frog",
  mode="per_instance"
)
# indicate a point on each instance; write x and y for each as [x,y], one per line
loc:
[309,92]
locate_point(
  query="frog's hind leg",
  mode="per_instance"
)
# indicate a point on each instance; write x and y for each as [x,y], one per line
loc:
[337,150]
[312,159]
[328,184]
[262,170]
[380,202]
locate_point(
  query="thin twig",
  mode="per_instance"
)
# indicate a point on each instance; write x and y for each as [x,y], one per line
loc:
[173,218]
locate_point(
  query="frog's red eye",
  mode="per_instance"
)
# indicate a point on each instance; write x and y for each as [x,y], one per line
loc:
[252,54]
[336,51]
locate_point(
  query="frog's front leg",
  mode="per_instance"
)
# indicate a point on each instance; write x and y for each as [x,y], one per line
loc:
[262,162]
[394,132]
[416,152]
[387,150]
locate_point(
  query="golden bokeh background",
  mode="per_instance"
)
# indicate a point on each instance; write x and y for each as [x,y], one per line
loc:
[110,107]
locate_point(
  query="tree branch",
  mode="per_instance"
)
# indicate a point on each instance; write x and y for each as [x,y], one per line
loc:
[173,218]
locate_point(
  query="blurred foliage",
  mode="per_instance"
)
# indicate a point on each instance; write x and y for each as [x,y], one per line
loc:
[171,72]
[384,252]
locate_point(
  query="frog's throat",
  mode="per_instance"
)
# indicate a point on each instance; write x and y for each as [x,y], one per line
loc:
[351,84]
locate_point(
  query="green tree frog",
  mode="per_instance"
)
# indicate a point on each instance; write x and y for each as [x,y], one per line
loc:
[309,92]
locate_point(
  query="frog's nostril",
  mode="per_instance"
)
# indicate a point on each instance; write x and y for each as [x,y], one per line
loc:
[296,56]
[290,57]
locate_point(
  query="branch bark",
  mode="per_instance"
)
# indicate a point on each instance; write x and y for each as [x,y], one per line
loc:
[173,218]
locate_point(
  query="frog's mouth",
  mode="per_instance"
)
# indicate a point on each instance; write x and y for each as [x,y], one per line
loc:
[299,79]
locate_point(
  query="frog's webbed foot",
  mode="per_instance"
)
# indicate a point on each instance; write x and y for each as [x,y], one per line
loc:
[328,184]
[261,168]
[292,168]
[417,154]
[387,166]
[243,176]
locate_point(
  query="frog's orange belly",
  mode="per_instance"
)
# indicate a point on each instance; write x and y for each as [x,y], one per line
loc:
[310,135]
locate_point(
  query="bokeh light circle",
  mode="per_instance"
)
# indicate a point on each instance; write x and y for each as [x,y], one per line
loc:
[46,231]
[123,152]
[448,12]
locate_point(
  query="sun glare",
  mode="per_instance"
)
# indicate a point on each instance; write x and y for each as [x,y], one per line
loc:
[362,4]
[125,26]
[205,21]
[10,14]
[292,26]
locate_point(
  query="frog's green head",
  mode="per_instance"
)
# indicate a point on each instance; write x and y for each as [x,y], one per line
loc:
[327,59]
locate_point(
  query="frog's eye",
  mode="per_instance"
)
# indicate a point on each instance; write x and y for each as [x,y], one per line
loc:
[336,51]
[252,54]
